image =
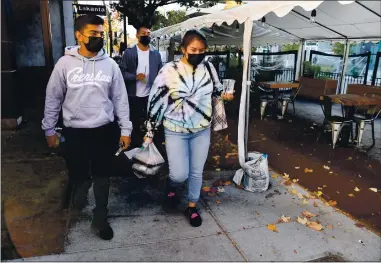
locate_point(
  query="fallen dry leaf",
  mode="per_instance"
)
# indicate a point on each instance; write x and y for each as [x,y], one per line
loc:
[349,158]
[332,203]
[274,176]
[319,193]
[206,189]
[218,202]
[216,158]
[315,204]
[272,228]
[295,180]
[337,192]
[308,170]
[326,167]
[302,221]
[300,196]
[331,172]
[297,167]
[218,169]
[356,189]
[263,139]
[324,186]
[284,219]
[295,252]
[305,201]
[359,225]
[221,190]
[330,226]
[228,182]
[286,176]
[315,226]
[230,155]
[308,214]
[287,183]
[351,195]
[293,191]
[258,214]
[319,188]
[226,138]
[373,189]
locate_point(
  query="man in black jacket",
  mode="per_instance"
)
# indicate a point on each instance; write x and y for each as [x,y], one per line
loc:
[140,66]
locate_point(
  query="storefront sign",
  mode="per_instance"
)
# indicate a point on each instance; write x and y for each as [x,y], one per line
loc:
[91,9]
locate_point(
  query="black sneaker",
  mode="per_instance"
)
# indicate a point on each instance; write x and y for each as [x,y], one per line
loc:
[194,216]
[103,230]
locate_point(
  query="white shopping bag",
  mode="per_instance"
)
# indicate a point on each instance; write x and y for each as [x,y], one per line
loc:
[257,177]
[147,160]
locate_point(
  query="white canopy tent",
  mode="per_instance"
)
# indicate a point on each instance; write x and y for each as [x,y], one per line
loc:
[335,20]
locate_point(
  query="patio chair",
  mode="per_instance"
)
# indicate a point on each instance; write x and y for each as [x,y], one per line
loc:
[336,122]
[287,98]
[367,118]
[266,97]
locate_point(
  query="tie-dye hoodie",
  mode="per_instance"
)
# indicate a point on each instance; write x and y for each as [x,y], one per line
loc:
[181,98]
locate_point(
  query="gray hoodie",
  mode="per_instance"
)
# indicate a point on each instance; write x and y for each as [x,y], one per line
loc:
[90,91]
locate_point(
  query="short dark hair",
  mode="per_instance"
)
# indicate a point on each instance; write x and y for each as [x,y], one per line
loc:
[192,34]
[143,25]
[82,21]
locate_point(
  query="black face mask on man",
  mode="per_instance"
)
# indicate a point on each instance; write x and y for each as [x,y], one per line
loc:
[145,40]
[95,44]
[195,59]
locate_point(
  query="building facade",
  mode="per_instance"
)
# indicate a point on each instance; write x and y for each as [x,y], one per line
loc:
[34,34]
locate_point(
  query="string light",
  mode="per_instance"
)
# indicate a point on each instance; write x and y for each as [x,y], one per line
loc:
[313,15]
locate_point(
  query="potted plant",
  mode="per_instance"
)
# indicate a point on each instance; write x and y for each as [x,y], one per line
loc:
[307,69]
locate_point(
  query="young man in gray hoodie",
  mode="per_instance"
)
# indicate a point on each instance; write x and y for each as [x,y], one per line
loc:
[89,87]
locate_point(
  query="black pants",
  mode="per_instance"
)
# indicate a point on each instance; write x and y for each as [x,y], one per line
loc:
[89,155]
[138,115]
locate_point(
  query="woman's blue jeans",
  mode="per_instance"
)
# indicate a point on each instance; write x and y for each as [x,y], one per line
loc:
[187,154]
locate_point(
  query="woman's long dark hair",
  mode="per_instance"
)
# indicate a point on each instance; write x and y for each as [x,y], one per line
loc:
[193,34]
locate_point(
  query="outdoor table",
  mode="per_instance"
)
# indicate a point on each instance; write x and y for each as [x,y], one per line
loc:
[276,86]
[350,102]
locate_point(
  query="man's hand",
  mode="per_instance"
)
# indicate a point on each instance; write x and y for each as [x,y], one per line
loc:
[53,141]
[147,140]
[227,96]
[140,76]
[125,142]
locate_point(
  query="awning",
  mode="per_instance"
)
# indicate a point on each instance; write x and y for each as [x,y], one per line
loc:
[356,20]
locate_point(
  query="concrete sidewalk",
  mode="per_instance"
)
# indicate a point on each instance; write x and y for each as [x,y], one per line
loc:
[234,229]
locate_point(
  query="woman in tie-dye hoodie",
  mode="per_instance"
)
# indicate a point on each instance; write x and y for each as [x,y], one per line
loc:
[181,99]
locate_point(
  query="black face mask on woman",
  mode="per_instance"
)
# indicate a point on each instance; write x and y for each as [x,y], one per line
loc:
[95,44]
[195,59]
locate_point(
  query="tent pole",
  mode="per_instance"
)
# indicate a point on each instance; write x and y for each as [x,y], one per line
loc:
[299,62]
[344,69]
[244,106]
[248,101]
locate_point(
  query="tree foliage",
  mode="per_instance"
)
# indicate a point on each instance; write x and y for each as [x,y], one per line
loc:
[143,12]
[338,48]
[290,47]
[173,17]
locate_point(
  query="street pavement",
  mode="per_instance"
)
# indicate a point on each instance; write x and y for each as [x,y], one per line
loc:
[235,228]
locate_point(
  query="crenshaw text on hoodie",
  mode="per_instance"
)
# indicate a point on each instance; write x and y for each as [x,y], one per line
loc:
[90,91]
